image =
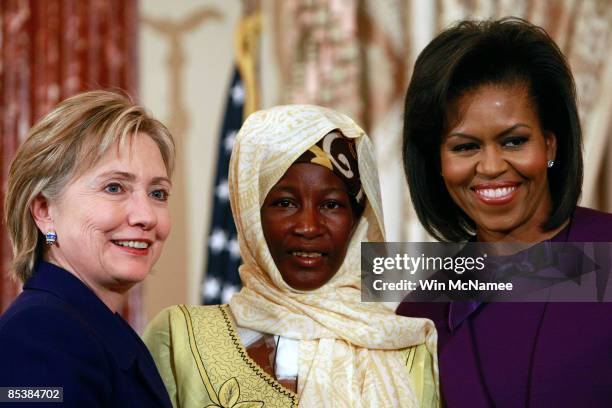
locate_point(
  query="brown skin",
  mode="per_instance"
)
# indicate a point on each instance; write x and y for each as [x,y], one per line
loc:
[307,221]
[494,163]
[262,354]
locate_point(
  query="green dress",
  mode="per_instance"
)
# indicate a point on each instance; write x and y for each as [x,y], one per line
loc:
[203,363]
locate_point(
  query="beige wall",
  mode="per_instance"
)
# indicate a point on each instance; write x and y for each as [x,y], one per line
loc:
[186,57]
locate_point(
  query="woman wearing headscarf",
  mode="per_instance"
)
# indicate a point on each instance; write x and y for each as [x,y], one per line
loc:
[492,153]
[87,213]
[304,193]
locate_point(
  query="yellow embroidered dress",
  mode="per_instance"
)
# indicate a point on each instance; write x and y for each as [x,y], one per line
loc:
[351,354]
[203,362]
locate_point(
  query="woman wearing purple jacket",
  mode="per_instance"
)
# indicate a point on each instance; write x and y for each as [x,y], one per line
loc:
[492,153]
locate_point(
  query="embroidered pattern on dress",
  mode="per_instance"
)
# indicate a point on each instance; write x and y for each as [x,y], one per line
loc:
[210,328]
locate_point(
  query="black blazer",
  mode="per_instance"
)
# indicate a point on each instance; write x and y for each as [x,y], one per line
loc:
[58,333]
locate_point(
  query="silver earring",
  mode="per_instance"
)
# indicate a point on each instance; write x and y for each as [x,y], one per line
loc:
[550,163]
[51,237]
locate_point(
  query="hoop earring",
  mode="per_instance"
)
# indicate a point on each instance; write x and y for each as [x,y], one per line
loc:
[550,163]
[51,237]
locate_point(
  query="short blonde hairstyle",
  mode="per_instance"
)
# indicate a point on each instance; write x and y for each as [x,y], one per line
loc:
[65,143]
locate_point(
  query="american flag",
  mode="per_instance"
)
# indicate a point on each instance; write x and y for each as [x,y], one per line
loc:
[221,273]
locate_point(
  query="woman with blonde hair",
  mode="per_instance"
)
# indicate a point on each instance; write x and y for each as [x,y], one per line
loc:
[304,193]
[87,213]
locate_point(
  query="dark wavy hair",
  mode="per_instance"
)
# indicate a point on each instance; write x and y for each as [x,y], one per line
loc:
[462,58]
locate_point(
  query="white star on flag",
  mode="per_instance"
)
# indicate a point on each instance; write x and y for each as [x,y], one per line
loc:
[234,248]
[222,190]
[228,142]
[238,94]
[211,288]
[217,240]
[227,293]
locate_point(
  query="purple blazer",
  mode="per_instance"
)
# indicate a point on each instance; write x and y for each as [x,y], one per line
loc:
[526,354]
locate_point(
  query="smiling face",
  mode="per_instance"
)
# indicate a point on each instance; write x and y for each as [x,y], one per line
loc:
[494,162]
[112,220]
[307,221]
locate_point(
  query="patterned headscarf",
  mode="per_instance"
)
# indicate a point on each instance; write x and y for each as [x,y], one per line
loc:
[337,153]
[350,351]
